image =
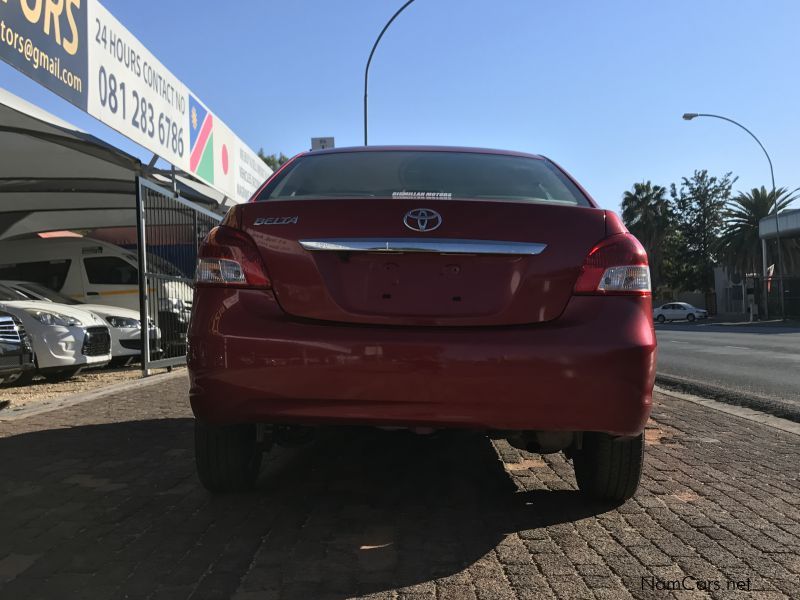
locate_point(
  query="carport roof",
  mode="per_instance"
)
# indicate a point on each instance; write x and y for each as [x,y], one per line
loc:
[788,222]
[53,176]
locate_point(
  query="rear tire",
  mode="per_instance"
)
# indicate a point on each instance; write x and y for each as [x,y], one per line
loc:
[228,457]
[661,318]
[609,468]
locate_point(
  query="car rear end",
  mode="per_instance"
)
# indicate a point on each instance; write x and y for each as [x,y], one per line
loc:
[424,288]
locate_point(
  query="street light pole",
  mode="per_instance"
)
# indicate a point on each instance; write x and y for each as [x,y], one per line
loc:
[369,60]
[689,117]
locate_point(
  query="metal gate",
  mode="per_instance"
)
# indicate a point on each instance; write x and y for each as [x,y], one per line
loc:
[170,230]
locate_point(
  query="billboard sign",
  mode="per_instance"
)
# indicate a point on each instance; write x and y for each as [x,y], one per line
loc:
[46,40]
[80,51]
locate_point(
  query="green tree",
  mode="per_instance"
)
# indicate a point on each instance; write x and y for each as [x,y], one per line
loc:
[647,215]
[740,244]
[673,265]
[274,161]
[698,205]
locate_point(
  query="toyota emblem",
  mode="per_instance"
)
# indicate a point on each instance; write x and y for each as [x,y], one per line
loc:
[422,219]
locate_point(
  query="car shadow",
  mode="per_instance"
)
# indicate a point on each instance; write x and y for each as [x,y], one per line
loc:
[356,511]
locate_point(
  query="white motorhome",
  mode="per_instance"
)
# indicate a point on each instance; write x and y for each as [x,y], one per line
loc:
[97,272]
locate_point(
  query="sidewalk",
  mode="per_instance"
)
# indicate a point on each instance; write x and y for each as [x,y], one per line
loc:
[755,326]
[768,323]
[100,500]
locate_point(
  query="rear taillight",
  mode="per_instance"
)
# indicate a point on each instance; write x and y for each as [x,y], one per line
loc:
[229,257]
[617,265]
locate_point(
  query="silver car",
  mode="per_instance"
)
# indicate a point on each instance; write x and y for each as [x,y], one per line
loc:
[678,311]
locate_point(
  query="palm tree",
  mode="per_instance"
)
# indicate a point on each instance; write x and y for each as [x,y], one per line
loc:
[740,244]
[647,215]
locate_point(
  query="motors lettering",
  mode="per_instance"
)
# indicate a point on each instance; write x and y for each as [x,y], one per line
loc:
[50,15]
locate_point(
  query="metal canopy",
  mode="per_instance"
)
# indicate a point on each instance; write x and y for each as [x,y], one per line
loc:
[788,220]
[53,176]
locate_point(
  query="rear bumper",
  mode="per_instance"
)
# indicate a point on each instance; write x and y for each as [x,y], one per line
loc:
[591,370]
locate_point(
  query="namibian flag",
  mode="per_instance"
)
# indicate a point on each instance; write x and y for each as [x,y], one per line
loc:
[201,140]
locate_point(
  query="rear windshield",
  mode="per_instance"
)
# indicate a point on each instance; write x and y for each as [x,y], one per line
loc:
[424,175]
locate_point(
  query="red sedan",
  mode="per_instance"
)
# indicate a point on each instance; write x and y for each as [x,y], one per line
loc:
[423,288]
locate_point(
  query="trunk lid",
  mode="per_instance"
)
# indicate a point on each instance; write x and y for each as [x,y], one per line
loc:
[435,277]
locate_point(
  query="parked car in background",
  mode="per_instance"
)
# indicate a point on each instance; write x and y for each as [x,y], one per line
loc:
[98,272]
[678,311]
[16,353]
[65,339]
[123,324]
[424,288]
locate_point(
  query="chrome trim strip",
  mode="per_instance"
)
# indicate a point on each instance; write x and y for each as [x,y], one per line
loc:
[431,245]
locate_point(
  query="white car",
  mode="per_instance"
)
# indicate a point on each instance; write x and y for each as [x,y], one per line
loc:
[678,311]
[65,339]
[91,270]
[124,324]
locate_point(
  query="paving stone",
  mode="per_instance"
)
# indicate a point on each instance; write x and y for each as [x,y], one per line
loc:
[456,592]
[101,501]
[15,564]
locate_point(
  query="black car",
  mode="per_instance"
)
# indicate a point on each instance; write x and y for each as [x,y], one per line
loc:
[16,354]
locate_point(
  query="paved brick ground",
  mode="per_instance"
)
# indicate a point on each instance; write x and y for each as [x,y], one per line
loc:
[100,501]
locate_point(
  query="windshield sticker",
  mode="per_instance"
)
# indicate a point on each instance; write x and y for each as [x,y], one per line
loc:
[422,195]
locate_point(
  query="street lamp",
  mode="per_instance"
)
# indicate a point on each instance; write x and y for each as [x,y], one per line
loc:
[369,60]
[689,117]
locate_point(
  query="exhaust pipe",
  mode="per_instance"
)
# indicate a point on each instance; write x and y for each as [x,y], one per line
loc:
[543,442]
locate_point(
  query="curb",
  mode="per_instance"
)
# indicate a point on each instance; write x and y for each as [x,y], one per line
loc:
[66,401]
[779,408]
[738,411]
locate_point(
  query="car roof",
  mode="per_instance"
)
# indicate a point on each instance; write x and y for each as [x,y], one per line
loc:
[57,241]
[424,149]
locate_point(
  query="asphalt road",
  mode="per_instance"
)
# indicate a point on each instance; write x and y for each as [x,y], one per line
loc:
[759,362]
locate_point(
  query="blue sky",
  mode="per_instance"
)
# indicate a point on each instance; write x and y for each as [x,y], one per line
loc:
[597,86]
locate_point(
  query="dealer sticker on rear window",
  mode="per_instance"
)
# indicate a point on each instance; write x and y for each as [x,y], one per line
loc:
[422,195]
